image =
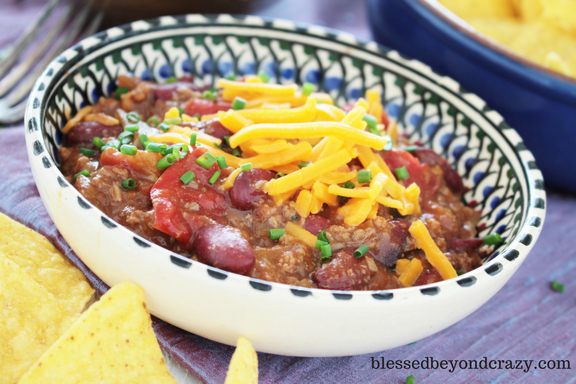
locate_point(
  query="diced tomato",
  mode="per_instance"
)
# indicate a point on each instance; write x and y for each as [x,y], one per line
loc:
[143,164]
[419,173]
[205,107]
[385,119]
[182,210]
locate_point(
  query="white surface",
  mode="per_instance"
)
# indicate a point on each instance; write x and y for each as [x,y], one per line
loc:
[181,375]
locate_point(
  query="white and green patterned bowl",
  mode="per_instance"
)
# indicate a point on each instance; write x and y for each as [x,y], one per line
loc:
[502,177]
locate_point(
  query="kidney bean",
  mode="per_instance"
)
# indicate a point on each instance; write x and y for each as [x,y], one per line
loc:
[465,245]
[85,131]
[224,247]
[244,192]
[451,177]
[390,247]
[344,272]
[214,127]
[165,91]
[316,224]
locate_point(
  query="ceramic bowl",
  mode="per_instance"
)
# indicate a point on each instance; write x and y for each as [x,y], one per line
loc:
[499,171]
[539,103]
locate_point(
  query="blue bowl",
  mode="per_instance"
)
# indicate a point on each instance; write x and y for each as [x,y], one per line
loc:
[538,103]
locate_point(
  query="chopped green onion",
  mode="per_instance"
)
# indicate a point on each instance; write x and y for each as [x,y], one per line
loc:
[376,132]
[492,239]
[129,150]
[319,244]
[307,89]
[165,162]
[227,140]
[132,128]
[322,236]
[197,115]
[365,176]
[411,148]
[128,183]
[276,234]
[193,139]
[165,127]
[348,185]
[389,143]
[236,152]
[87,152]
[207,94]
[143,140]
[214,177]
[83,173]
[239,103]
[171,79]
[126,137]
[174,121]
[325,259]
[410,379]
[361,251]
[231,77]
[246,167]
[279,175]
[304,164]
[176,151]
[263,76]
[221,162]
[402,173]
[370,121]
[98,142]
[206,160]
[217,145]
[156,147]
[153,122]
[556,286]
[111,144]
[187,177]
[459,272]
[295,217]
[180,111]
[133,117]
[326,250]
[120,91]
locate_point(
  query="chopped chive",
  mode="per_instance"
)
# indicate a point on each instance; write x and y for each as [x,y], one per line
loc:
[239,103]
[187,177]
[279,175]
[171,79]
[156,147]
[197,115]
[227,140]
[389,143]
[295,217]
[231,77]
[402,173]
[459,272]
[120,91]
[206,160]
[128,183]
[193,139]
[492,239]
[370,121]
[319,244]
[143,140]
[304,164]
[326,250]
[307,89]
[180,111]
[411,148]
[174,121]
[153,122]
[165,127]
[365,176]
[214,177]
[221,162]
[410,379]
[83,173]
[132,128]
[276,234]
[556,286]
[126,137]
[133,117]
[165,162]
[236,152]
[263,76]
[98,142]
[87,152]
[348,185]
[129,150]
[246,167]
[322,236]
[361,251]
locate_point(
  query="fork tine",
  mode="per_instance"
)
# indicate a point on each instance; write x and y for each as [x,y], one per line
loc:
[26,37]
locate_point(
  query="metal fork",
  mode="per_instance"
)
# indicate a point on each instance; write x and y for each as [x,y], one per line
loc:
[20,78]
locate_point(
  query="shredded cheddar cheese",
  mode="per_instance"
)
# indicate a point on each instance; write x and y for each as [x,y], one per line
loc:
[401,265]
[433,254]
[229,182]
[76,119]
[300,233]
[411,273]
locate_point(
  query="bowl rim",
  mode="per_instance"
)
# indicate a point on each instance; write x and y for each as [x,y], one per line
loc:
[464,38]
[60,67]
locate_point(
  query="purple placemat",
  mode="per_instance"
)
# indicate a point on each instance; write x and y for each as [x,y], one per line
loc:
[525,320]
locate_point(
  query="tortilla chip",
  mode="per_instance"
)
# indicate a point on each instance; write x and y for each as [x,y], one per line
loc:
[560,13]
[243,367]
[112,342]
[528,10]
[45,264]
[502,30]
[30,321]
[480,8]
